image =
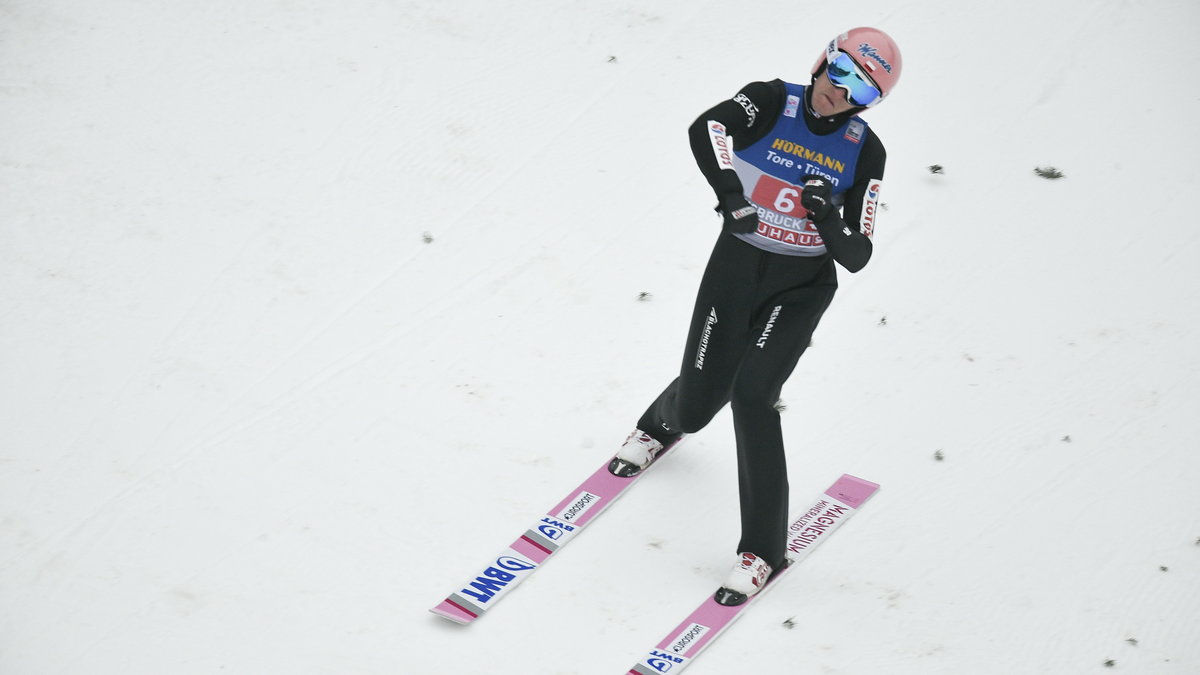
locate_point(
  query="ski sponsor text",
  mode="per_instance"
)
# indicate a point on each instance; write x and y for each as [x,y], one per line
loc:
[494,579]
[663,662]
[579,506]
[681,643]
[812,525]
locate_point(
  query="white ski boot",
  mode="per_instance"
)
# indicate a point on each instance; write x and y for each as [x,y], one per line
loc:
[746,578]
[635,455]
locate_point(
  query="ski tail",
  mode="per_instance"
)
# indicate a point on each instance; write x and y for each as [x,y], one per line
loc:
[708,621]
[543,539]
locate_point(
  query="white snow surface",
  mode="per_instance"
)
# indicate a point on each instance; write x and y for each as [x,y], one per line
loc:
[307,309]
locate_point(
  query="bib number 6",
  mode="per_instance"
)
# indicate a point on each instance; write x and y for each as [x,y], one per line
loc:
[785,201]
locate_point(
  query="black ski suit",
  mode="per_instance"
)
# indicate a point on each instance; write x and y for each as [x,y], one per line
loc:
[756,310]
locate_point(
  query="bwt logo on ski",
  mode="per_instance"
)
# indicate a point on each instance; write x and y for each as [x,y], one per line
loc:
[554,530]
[494,579]
[662,662]
[687,638]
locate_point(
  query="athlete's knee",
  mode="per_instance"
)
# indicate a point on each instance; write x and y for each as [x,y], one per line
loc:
[691,421]
[754,397]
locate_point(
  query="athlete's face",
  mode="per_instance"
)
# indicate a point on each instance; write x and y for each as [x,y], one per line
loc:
[828,99]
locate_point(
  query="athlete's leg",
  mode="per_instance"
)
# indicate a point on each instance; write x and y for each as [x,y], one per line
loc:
[782,336]
[717,338]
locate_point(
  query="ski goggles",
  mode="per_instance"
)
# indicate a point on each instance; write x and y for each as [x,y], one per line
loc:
[845,74]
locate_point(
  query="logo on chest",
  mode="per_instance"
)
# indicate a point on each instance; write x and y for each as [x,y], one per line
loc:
[781,217]
[816,157]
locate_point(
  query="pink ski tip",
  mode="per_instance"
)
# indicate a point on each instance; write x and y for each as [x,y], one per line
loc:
[852,491]
[453,612]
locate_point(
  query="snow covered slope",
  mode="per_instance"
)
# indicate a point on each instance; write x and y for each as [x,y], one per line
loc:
[307,308]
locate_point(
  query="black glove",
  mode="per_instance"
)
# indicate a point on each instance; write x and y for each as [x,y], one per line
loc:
[817,198]
[740,216]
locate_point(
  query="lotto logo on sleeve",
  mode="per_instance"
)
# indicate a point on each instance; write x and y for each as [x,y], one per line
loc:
[870,207]
[720,144]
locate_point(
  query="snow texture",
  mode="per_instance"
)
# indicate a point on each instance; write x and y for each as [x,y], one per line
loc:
[308,308]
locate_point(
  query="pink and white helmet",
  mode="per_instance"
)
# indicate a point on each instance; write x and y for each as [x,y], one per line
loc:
[873,51]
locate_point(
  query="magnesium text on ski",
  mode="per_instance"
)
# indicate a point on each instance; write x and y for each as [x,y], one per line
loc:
[806,530]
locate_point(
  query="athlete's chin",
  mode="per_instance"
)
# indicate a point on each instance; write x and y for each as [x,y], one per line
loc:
[823,105]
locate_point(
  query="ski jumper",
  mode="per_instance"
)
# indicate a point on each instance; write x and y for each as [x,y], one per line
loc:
[763,293]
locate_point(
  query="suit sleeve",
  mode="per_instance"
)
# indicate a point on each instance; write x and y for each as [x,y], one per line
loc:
[848,237]
[736,122]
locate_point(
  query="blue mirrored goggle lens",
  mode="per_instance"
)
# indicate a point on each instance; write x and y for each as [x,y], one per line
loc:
[845,73]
